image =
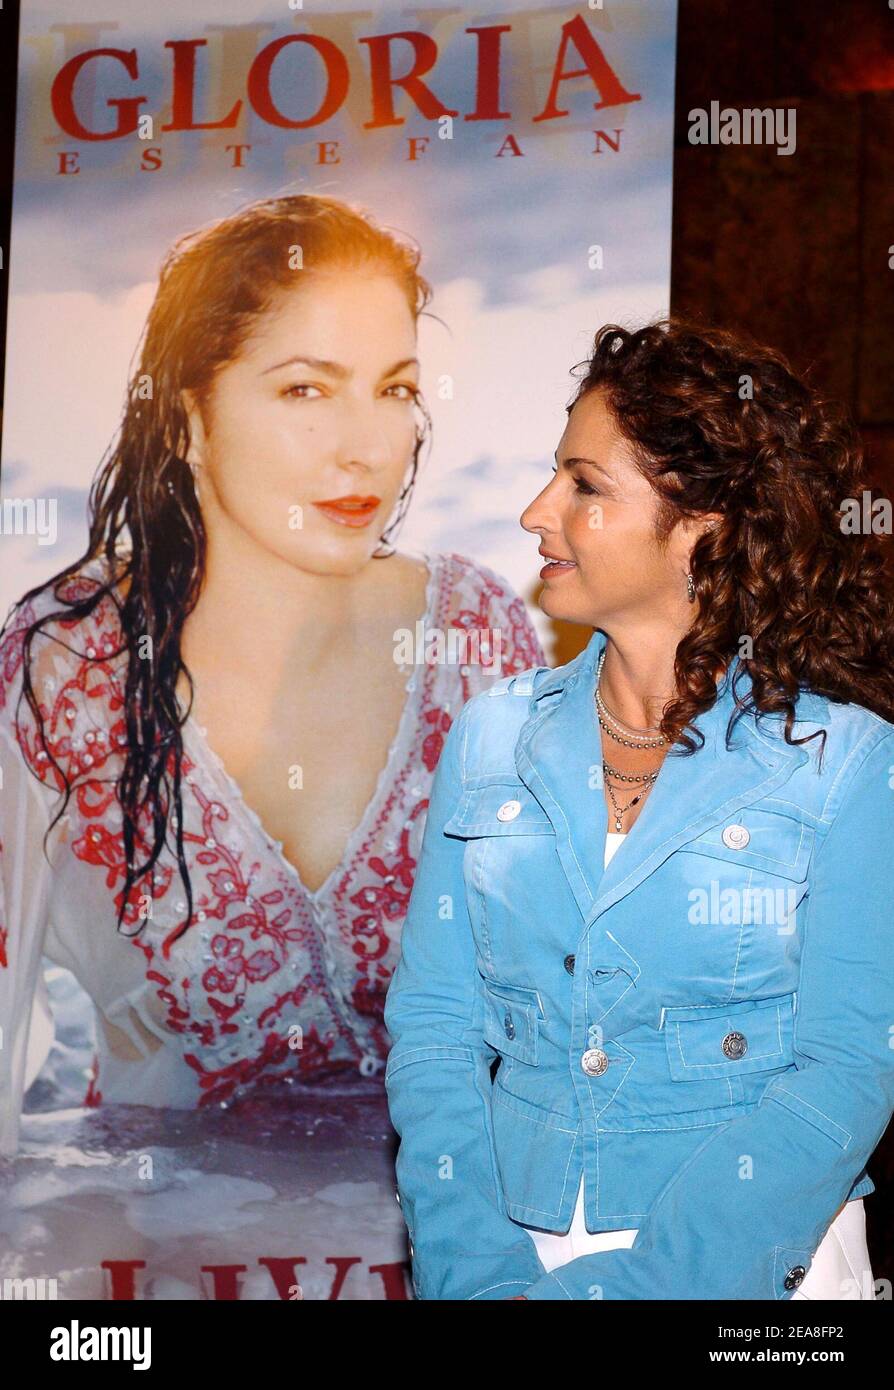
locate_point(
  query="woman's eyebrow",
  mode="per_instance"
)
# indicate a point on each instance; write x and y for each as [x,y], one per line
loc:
[322,364]
[574,462]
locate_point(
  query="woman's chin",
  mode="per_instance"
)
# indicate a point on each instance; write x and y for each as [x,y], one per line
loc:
[558,605]
[565,611]
[322,560]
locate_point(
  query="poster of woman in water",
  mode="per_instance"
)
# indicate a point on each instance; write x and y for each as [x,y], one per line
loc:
[295,296]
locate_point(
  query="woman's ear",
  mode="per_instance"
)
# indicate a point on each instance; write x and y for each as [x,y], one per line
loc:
[197,441]
[709,521]
[698,526]
[688,533]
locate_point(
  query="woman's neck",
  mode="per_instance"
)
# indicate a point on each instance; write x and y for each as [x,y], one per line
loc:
[260,608]
[637,680]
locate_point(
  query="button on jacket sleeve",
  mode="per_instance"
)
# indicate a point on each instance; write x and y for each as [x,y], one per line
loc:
[463,1243]
[753,1202]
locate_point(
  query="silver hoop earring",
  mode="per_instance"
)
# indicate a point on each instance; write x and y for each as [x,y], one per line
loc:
[690,588]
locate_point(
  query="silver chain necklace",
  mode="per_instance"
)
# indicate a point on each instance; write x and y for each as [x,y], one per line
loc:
[618,730]
[646,780]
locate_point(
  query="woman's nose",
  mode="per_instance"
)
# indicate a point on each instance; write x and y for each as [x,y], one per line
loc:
[363,441]
[527,520]
[539,515]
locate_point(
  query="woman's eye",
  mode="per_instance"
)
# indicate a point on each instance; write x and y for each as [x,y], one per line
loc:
[584,488]
[411,391]
[293,391]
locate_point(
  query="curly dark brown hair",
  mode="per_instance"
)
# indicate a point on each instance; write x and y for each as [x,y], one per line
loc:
[721,424]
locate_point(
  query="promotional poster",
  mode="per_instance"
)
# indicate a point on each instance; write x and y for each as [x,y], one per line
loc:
[404,225]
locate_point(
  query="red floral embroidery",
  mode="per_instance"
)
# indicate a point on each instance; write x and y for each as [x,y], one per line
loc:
[258,970]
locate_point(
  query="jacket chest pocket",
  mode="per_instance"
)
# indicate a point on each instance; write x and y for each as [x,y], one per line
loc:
[760,839]
[508,857]
[750,870]
[512,1015]
[727,1041]
[498,809]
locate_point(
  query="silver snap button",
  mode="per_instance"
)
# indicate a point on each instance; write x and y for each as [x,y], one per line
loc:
[509,810]
[594,1061]
[735,1045]
[795,1276]
[735,836]
[509,1026]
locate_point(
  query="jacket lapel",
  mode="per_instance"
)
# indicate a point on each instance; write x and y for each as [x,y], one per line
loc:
[559,758]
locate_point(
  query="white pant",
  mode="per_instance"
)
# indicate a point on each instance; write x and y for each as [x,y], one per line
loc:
[840,1267]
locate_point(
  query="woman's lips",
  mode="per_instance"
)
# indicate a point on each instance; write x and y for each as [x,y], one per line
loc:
[553,568]
[350,511]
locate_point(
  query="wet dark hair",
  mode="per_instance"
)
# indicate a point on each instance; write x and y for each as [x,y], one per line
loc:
[720,424]
[144,517]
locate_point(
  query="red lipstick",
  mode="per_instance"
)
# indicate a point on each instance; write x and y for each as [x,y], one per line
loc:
[555,565]
[351,510]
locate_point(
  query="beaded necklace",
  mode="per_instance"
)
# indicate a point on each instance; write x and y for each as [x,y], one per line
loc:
[629,737]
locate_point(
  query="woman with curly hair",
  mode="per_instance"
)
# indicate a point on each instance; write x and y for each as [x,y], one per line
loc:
[655,888]
[212,712]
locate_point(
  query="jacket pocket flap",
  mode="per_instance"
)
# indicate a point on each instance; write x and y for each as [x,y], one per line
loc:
[507,809]
[759,839]
[729,1039]
[512,1015]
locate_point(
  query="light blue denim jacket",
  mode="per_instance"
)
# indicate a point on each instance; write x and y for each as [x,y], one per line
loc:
[703,1029]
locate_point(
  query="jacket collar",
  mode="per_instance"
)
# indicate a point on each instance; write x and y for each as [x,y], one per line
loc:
[559,758]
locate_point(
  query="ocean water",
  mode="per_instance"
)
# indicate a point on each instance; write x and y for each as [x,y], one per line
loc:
[277,1200]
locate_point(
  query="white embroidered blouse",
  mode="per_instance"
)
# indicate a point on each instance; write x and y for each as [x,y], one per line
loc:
[273,986]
